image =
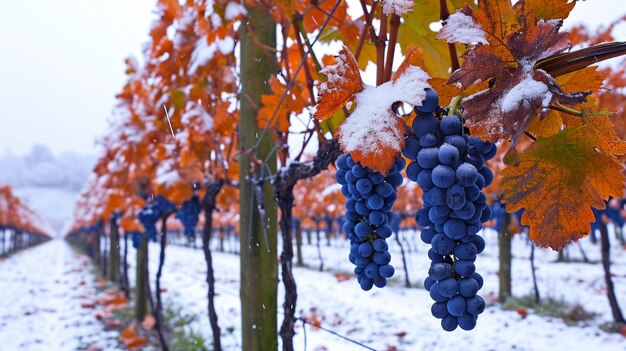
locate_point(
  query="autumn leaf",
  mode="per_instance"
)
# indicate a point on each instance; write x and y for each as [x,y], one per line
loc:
[416,31]
[511,39]
[278,109]
[343,80]
[558,179]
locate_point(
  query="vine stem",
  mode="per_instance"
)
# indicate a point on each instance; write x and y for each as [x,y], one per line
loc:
[394,24]
[455,104]
[380,50]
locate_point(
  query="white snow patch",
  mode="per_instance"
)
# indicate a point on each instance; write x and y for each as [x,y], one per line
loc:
[373,124]
[461,28]
[233,10]
[398,7]
[523,93]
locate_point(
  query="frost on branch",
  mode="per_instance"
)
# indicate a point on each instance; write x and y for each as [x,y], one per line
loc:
[373,133]
[461,28]
[398,7]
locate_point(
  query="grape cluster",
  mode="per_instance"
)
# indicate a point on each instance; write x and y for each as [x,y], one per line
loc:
[370,196]
[188,216]
[148,216]
[448,165]
[135,237]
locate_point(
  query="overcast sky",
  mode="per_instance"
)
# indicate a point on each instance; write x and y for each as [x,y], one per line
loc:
[61,63]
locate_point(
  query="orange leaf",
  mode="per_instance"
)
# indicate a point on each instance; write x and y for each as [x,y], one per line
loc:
[557,179]
[148,322]
[553,9]
[343,80]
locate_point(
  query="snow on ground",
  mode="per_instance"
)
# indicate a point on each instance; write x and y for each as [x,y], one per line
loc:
[41,295]
[380,318]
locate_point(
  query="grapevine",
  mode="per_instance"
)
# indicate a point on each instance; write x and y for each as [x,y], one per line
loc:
[448,165]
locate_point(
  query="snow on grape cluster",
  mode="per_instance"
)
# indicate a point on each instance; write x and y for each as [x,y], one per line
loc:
[370,196]
[448,165]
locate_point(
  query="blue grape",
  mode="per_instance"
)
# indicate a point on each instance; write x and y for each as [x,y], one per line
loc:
[443,176]
[439,310]
[456,305]
[448,154]
[450,125]
[430,103]
[449,323]
[468,287]
[475,305]
[467,321]
[428,140]
[413,170]
[455,197]
[428,158]
[411,148]
[424,124]
[466,174]
[448,287]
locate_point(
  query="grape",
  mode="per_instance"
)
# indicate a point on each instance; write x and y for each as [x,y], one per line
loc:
[363,229]
[377,217]
[468,287]
[384,231]
[467,321]
[380,245]
[456,305]
[454,228]
[475,305]
[412,147]
[375,202]
[428,158]
[466,174]
[458,142]
[424,124]
[387,271]
[359,171]
[427,235]
[448,287]
[429,104]
[364,185]
[428,140]
[434,294]
[487,175]
[384,189]
[465,251]
[464,268]
[425,180]
[440,271]
[443,176]
[365,249]
[413,170]
[448,155]
[455,197]
[450,125]
[449,323]
[439,310]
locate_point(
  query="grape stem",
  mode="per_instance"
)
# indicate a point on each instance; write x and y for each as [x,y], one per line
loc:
[455,104]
